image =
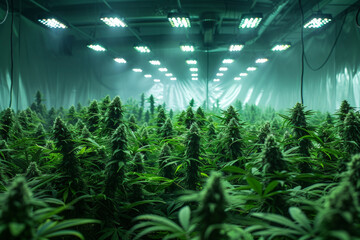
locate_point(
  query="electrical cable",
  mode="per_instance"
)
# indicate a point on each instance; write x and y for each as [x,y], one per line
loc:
[331,51]
[302,54]
[11,54]
[7,12]
[357,18]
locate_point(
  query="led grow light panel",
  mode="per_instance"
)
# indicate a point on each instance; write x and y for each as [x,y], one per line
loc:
[179,20]
[137,69]
[251,69]
[250,21]
[96,47]
[191,62]
[52,23]
[236,47]
[154,62]
[228,61]
[113,21]
[261,60]
[280,47]
[187,48]
[142,49]
[318,21]
[120,60]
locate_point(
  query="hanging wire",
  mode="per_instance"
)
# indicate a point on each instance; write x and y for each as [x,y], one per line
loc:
[331,51]
[7,12]
[302,54]
[11,54]
[357,18]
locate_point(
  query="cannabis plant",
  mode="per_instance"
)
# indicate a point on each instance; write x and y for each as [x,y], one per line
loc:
[32,171]
[211,131]
[23,120]
[71,115]
[189,117]
[211,213]
[132,123]
[181,118]
[192,103]
[105,104]
[85,133]
[152,104]
[167,130]
[115,168]
[17,221]
[272,157]
[345,108]
[6,123]
[353,173]
[264,133]
[171,114]
[166,169]
[114,115]
[229,114]
[140,114]
[192,154]
[93,116]
[147,116]
[232,144]
[161,118]
[17,131]
[142,100]
[351,133]
[200,117]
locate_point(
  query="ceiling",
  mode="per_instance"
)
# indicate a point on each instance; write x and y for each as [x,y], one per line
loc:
[214,26]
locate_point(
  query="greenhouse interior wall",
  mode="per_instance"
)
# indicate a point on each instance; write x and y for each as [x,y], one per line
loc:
[67,74]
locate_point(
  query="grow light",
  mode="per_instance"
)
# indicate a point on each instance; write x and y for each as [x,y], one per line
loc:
[219,74]
[163,69]
[179,20]
[168,74]
[113,21]
[173,79]
[142,49]
[280,47]
[191,62]
[236,47]
[137,69]
[154,62]
[193,69]
[237,78]
[261,60]
[147,75]
[216,80]
[96,47]
[250,20]
[243,74]
[52,23]
[223,69]
[317,21]
[194,78]
[251,69]
[120,60]
[228,61]
[194,74]
[187,48]
[156,80]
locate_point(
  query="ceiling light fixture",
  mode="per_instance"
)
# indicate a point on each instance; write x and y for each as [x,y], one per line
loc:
[237,78]
[317,20]
[194,78]
[137,69]
[173,79]
[113,21]
[96,47]
[236,47]
[179,20]
[147,75]
[243,74]
[120,60]
[250,20]
[187,48]
[261,60]
[156,80]
[219,74]
[142,48]
[194,74]
[52,23]
[154,62]
[168,74]
[228,61]
[280,47]
[216,80]
[163,69]
[191,62]
[193,69]
[251,69]
[223,69]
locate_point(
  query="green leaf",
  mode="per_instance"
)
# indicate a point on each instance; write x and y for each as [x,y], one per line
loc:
[16,228]
[184,217]
[271,186]
[255,185]
[300,217]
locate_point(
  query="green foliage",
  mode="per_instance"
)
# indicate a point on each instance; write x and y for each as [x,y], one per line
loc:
[71,115]
[351,133]
[171,114]
[114,115]
[166,168]
[132,123]
[192,154]
[6,123]
[105,104]
[142,101]
[192,103]
[212,206]
[345,108]
[147,116]
[189,117]
[93,116]
[32,171]
[152,104]
[167,129]
[229,114]
[161,118]
[200,117]
[140,114]
[272,157]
